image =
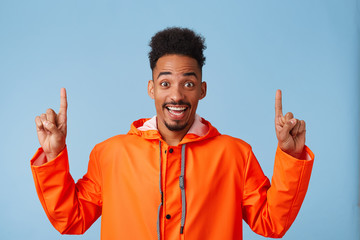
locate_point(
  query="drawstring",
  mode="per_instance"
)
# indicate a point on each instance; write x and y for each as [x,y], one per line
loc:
[182,189]
[161,194]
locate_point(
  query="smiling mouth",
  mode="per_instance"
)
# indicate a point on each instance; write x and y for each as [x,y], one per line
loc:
[177,111]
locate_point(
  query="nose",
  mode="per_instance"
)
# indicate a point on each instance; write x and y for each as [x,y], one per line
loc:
[177,93]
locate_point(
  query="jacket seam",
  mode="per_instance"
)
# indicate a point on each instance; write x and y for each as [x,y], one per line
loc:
[244,174]
[100,175]
[164,191]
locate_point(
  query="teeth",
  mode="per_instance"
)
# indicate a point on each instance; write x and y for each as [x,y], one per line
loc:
[176,113]
[177,108]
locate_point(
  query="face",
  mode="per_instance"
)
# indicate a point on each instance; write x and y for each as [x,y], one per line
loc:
[176,88]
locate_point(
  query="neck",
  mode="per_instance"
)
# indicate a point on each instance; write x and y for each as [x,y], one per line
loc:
[172,138]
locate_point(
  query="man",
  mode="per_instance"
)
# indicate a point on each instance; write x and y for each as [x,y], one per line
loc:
[173,176]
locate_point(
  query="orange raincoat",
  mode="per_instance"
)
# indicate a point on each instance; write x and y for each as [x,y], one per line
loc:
[146,189]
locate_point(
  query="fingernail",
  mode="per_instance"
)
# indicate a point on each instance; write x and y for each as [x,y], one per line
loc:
[292,121]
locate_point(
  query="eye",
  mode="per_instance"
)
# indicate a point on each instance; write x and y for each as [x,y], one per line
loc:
[164,84]
[189,84]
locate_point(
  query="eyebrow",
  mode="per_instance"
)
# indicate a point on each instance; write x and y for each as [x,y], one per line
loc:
[190,74]
[185,74]
[163,73]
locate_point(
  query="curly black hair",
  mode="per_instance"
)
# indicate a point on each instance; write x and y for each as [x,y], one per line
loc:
[176,40]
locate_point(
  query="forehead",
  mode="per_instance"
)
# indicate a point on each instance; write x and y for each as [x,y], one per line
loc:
[175,63]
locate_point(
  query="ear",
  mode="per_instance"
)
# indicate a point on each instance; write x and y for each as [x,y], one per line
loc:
[203,90]
[151,88]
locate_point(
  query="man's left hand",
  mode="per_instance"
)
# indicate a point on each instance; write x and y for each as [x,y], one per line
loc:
[290,131]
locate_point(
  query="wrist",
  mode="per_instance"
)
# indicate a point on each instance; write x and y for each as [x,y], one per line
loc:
[52,155]
[297,155]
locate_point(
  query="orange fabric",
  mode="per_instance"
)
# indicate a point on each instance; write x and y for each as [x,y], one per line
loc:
[223,181]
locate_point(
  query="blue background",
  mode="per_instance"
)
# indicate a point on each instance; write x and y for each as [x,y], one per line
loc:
[98,51]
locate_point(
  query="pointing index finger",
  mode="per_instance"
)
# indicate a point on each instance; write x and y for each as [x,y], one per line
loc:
[278,104]
[63,101]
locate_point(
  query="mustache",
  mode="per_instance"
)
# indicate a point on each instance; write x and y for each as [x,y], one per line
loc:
[176,103]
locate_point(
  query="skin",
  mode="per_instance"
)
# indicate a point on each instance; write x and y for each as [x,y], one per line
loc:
[176,88]
[52,129]
[177,82]
[290,131]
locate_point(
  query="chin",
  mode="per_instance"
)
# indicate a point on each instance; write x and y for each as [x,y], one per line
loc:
[176,127]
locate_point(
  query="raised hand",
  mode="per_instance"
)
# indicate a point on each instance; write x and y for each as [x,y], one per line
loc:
[51,128]
[290,131]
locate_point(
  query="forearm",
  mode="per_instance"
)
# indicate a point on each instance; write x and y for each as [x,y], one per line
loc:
[58,195]
[289,185]
[271,209]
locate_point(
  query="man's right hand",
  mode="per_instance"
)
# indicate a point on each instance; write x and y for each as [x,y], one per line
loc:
[51,128]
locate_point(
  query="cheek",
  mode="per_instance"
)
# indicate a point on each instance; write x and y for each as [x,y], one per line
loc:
[160,96]
[194,102]
[158,102]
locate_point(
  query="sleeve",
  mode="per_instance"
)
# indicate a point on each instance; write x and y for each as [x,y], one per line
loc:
[270,210]
[71,208]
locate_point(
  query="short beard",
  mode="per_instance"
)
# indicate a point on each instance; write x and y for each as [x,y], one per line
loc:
[175,127]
